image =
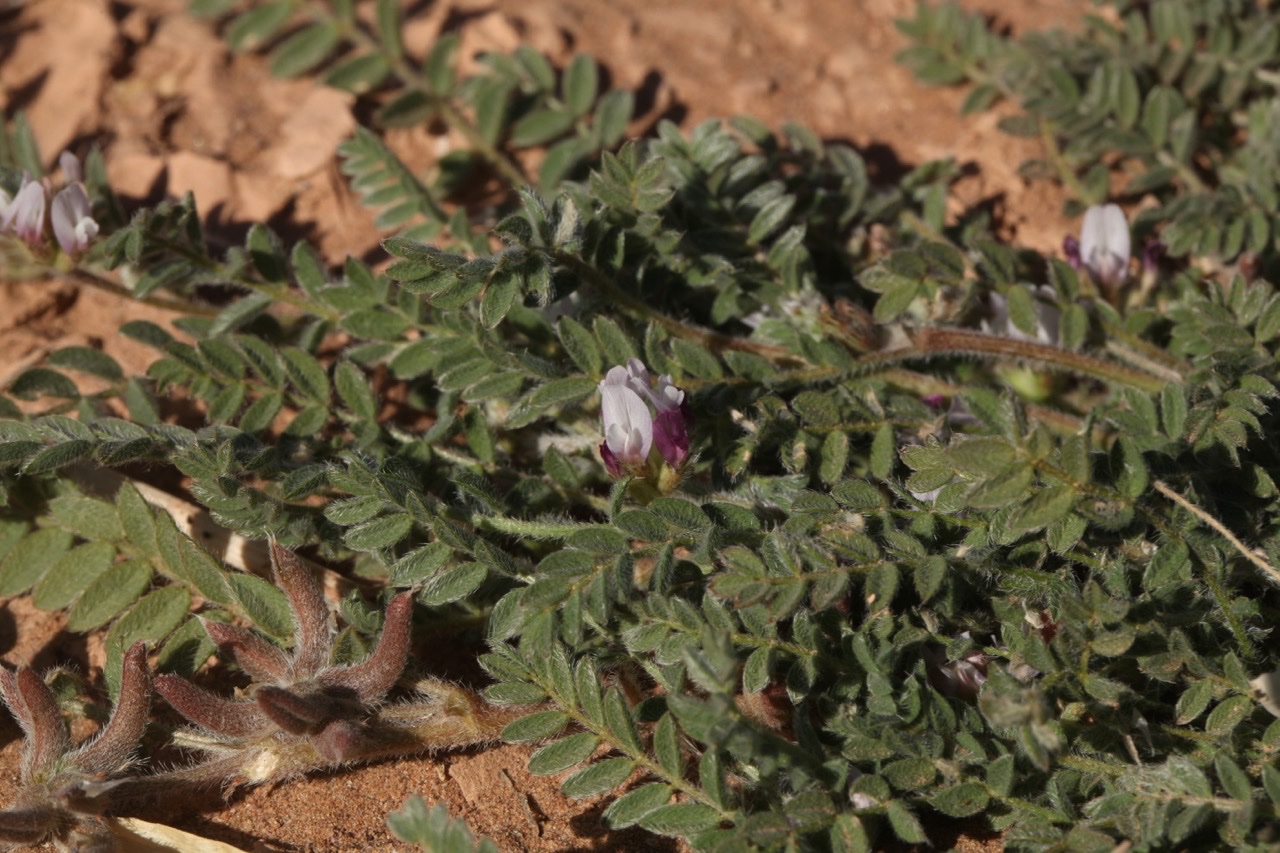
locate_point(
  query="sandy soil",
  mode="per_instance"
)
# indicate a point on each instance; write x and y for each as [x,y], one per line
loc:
[173,111]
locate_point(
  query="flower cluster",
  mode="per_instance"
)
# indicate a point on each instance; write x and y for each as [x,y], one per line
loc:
[70,214]
[632,428]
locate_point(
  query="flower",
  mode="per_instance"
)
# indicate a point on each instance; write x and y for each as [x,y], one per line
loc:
[24,215]
[1104,243]
[72,224]
[70,165]
[630,428]
[70,213]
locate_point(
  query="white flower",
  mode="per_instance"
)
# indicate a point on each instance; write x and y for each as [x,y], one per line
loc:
[628,425]
[24,215]
[72,224]
[1104,243]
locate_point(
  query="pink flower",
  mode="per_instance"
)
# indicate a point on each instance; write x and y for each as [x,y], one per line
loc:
[72,223]
[630,428]
[24,215]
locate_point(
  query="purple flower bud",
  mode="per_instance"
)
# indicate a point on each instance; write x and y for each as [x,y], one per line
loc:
[1152,252]
[1071,250]
[671,435]
[610,461]
[73,225]
[1104,243]
[24,217]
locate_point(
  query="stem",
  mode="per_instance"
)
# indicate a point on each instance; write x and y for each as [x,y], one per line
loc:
[934,341]
[713,341]
[88,279]
[1055,156]
[1220,528]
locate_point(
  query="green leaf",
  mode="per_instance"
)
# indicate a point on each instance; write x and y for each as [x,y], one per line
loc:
[36,382]
[581,346]
[304,50]
[68,577]
[634,806]
[598,778]
[87,517]
[188,562]
[1173,410]
[453,584]
[498,299]
[152,619]
[354,389]
[1007,487]
[1229,713]
[358,75]
[1042,509]
[1233,779]
[883,452]
[434,830]
[1073,326]
[580,84]
[617,345]
[28,560]
[1193,701]
[257,26]
[910,774]
[666,744]
[87,360]
[680,819]
[387,15]
[905,824]
[438,66]
[537,726]
[770,218]
[963,800]
[306,374]
[540,127]
[696,360]
[558,392]
[419,564]
[563,754]
[1271,781]
[1000,775]
[264,604]
[111,592]
[379,533]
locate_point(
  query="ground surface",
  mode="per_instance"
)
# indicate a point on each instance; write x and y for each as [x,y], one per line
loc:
[173,112]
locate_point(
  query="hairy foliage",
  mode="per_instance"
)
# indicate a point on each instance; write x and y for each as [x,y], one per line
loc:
[941,528]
